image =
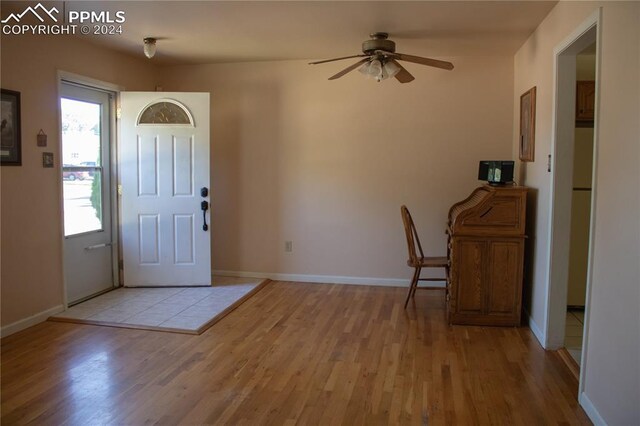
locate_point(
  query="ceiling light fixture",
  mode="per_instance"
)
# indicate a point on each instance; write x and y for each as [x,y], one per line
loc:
[149,47]
[380,69]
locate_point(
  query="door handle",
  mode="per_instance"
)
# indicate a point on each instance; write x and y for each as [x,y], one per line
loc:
[97,246]
[204,206]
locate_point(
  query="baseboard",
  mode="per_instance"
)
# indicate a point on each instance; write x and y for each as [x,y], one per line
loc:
[591,411]
[30,321]
[327,279]
[570,363]
[534,328]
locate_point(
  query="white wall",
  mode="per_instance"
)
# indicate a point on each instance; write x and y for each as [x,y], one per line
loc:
[611,365]
[327,164]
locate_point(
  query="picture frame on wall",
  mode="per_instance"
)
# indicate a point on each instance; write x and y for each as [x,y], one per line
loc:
[528,125]
[10,140]
[47,160]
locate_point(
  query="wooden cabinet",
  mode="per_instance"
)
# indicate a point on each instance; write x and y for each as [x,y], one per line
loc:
[585,101]
[486,242]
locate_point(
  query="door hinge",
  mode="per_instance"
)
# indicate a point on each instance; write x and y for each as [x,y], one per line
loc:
[120,190]
[120,265]
[119,113]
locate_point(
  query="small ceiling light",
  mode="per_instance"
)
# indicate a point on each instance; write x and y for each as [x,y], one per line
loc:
[391,69]
[149,47]
[364,69]
[380,69]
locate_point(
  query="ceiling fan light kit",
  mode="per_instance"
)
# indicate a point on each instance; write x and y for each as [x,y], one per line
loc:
[378,70]
[149,47]
[381,61]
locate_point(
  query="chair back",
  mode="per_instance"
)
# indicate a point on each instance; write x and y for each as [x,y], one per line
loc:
[412,236]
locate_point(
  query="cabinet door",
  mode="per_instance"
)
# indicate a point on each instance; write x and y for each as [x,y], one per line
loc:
[470,260]
[504,278]
[585,100]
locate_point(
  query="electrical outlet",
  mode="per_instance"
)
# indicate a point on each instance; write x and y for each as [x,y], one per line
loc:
[288,246]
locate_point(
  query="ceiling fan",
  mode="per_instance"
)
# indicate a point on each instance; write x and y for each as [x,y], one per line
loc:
[380,60]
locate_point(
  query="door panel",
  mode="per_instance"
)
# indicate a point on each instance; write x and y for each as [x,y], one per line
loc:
[184,241]
[164,163]
[149,228]
[470,255]
[503,267]
[183,167]
[88,261]
[147,157]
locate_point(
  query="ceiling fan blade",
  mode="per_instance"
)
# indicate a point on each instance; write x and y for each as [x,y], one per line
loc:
[423,61]
[336,59]
[403,76]
[349,69]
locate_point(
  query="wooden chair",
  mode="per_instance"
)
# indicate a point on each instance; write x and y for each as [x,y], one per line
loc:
[420,261]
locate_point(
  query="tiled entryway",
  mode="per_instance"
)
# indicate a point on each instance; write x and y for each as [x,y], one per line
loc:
[172,309]
[574,328]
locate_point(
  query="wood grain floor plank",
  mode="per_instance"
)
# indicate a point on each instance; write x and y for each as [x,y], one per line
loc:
[293,354]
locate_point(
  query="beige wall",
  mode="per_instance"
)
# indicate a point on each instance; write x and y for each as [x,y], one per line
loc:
[612,377]
[30,195]
[327,164]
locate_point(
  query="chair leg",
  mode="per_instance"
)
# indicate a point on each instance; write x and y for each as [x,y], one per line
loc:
[446,283]
[414,283]
[415,286]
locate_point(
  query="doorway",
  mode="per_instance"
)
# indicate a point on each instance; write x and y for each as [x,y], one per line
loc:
[573,189]
[581,201]
[86,129]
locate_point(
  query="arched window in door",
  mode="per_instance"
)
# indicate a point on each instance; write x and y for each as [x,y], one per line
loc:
[166,111]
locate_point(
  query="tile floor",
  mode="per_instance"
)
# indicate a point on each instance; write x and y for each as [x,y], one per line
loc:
[178,308]
[573,333]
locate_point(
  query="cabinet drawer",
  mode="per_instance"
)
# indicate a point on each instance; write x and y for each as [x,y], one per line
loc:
[585,100]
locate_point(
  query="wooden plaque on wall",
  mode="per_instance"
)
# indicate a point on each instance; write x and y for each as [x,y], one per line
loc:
[528,124]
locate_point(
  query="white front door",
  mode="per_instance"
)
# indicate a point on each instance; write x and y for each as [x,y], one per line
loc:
[164,172]
[86,127]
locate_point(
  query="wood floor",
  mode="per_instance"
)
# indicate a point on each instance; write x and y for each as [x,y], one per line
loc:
[294,353]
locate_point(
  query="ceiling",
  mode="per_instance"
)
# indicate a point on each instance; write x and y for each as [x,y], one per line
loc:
[215,31]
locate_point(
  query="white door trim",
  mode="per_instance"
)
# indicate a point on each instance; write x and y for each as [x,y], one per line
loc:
[586,33]
[115,227]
